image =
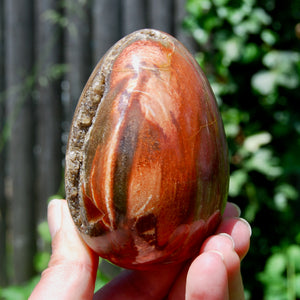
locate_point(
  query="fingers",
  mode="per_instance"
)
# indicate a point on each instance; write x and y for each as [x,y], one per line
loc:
[207,278]
[231,249]
[215,273]
[224,244]
[73,266]
[231,211]
[238,228]
[240,231]
[154,284]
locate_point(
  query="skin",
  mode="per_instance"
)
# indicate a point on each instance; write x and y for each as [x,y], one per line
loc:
[213,275]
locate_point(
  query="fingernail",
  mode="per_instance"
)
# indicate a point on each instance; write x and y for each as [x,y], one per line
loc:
[229,237]
[217,252]
[248,225]
[238,210]
[54,216]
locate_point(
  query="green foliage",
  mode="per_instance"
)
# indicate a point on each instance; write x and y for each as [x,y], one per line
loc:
[253,64]
[18,292]
[22,292]
[281,276]
[101,280]
[42,257]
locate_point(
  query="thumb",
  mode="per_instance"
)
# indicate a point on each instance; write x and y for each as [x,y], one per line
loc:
[72,268]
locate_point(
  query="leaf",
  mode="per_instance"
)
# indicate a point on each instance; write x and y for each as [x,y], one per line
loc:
[269,37]
[19,292]
[276,265]
[282,60]
[231,130]
[254,142]
[220,2]
[237,179]
[288,190]
[264,82]
[43,231]
[13,293]
[200,36]
[293,253]
[288,80]
[41,261]
[101,280]
[250,53]
[280,201]
[196,8]
[283,71]
[259,15]
[231,49]
[264,162]
[297,285]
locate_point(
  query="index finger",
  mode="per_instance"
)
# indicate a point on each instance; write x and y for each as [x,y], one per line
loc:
[240,231]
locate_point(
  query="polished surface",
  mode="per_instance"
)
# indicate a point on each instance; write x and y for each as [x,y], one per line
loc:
[153,174]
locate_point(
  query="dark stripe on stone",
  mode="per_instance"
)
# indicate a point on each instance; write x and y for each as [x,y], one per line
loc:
[125,155]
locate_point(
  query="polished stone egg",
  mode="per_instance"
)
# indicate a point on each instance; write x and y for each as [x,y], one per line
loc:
[147,166]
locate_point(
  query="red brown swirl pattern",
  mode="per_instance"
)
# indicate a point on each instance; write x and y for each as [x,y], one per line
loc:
[151,164]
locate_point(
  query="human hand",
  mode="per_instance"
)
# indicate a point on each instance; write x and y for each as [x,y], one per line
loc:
[214,274]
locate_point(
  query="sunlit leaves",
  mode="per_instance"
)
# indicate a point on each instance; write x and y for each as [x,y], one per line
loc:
[254,142]
[249,50]
[237,180]
[250,53]
[281,275]
[264,82]
[231,50]
[232,118]
[269,37]
[283,193]
[254,157]
[282,71]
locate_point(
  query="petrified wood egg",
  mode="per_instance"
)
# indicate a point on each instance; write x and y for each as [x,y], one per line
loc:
[147,162]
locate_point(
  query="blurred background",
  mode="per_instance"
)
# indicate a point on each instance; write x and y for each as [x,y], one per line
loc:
[250,52]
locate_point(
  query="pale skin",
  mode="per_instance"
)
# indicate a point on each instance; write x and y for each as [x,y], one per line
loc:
[213,275]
